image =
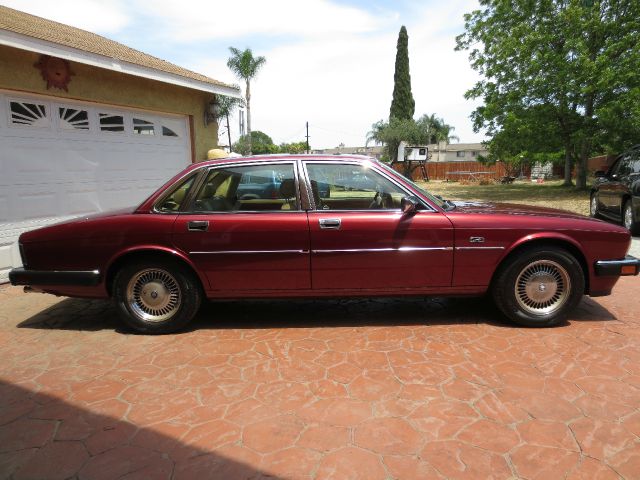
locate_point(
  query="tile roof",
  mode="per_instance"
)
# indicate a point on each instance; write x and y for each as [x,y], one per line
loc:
[68,36]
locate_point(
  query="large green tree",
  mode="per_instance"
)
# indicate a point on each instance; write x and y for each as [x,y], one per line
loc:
[256,142]
[579,59]
[245,66]
[402,104]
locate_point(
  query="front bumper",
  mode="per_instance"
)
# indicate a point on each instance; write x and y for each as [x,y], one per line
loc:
[629,266]
[21,276]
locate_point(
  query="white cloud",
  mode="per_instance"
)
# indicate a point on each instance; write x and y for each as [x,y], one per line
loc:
[206,19]
[96,16]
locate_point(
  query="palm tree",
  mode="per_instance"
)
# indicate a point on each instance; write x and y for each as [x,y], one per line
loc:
[436,130]
[226,106]
[245,67]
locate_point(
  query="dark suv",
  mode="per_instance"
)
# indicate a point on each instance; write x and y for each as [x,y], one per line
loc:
[616,193]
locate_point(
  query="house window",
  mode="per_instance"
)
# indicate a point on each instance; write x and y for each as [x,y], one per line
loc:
[73,119]
[143,127]
[29,114]
[474,154]
[460,154]
[111,123]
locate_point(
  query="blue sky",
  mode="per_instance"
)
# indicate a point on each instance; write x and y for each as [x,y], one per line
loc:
[328,63]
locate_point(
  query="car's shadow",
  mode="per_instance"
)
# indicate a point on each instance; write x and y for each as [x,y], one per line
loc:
[93,315]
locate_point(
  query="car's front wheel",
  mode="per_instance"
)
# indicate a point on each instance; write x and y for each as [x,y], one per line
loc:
[628,219]
[156,296]
[539,287]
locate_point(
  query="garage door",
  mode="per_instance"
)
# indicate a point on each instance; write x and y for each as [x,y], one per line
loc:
[60,160]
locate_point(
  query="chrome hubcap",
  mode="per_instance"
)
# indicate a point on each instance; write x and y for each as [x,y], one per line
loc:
[153,295]
[628,219]
[542,287]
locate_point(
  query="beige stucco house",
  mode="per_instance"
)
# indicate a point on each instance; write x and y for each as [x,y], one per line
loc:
[88,124]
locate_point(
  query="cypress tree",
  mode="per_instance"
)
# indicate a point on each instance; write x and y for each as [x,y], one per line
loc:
[402,105]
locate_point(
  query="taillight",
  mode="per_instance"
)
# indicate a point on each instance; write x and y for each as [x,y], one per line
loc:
[23,255]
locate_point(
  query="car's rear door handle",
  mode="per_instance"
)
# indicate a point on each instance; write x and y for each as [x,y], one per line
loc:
[198,226]
[330,223]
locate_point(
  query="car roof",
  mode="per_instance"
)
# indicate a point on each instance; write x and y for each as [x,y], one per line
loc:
[283,156]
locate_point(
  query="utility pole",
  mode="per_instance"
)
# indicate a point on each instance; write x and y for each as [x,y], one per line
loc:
[308,138]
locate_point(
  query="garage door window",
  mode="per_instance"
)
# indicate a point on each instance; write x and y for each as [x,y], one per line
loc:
[143,127]
[29,114]
[73,119]
[111,123]
[167,132]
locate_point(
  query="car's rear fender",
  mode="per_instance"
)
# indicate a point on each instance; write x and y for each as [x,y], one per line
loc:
[144,253]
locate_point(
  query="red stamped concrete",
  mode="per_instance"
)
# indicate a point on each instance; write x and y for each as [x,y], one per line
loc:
[371,389]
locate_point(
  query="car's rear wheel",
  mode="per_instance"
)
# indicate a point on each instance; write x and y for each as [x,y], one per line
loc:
[156,297]
[593,206]
[539,287]
[628,218]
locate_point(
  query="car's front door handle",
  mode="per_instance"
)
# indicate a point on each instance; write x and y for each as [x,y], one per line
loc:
[198,226]
[330,223]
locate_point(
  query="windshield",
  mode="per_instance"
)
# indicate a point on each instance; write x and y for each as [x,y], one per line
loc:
[445,204]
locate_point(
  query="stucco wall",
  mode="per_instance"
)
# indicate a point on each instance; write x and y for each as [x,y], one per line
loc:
[17,72]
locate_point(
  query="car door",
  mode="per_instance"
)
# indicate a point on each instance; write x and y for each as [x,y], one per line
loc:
[257,241]
[609,192]
[360,240]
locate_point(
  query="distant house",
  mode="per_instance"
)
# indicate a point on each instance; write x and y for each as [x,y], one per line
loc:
[456,152]
[375,152]
[442,152]
[88,124]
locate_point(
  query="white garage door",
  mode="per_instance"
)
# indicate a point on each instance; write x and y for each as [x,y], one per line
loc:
[62,159]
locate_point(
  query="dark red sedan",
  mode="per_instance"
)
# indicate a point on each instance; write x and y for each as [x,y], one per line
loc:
[322,232]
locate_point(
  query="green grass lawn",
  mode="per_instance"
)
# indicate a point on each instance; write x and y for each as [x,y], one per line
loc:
[548,194]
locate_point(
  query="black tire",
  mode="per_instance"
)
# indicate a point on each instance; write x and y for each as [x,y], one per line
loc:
[594,212]
[628,218]
[538,287]
[156,296]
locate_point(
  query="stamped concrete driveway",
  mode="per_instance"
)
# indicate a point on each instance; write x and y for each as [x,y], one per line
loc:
[377,389]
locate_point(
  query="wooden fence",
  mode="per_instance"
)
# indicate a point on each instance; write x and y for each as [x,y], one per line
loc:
[455,170]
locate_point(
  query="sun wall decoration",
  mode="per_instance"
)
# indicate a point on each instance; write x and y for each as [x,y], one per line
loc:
[55,71]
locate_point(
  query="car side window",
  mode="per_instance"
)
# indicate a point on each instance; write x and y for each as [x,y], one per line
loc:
[352,187]
[635,163]
[625,166]
[248,188]
[174,200]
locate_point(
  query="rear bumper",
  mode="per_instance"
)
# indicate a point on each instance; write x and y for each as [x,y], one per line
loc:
[629,266]
[21,276]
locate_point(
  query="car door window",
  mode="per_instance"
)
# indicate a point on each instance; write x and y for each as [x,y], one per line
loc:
[174,200]
[622,167]
[248,188]
[635,163]
[625,166]
[352,187]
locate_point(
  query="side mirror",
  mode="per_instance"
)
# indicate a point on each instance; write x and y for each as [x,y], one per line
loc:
[408,206]
[600,174]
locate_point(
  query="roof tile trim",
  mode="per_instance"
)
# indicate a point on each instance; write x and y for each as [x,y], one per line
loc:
[66,35]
